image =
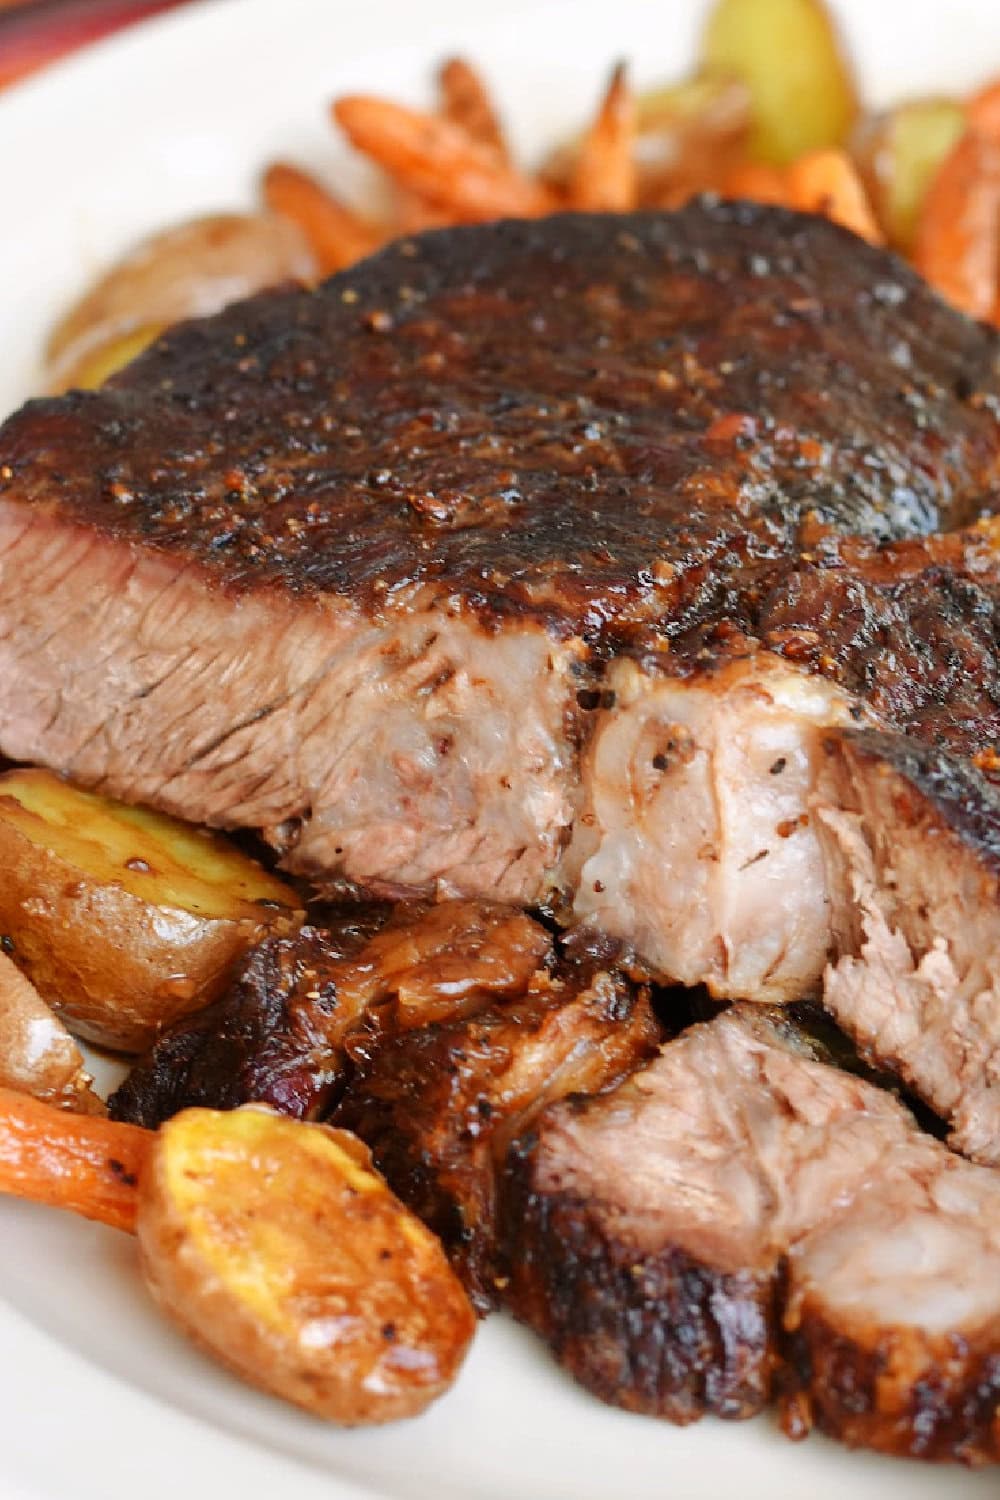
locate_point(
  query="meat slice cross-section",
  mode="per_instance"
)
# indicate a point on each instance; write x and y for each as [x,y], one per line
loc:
[738,1219]
[912,842]
[526,562]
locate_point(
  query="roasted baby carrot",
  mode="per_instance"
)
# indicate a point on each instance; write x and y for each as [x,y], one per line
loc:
[439,160]
[85,1163]
[466,102]
[604,175]
[827,182]
[758,182]
[958,232]
[982,110]
[337,235]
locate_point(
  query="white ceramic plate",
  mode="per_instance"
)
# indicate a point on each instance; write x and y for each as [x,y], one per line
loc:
[100,1400]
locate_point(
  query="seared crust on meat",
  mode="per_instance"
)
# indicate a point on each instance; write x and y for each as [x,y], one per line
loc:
[271,1038]
[438,1106]
[280,1034]
[891,1324]
[738,1218]
[667,1335]
[319,439]
[902,1393]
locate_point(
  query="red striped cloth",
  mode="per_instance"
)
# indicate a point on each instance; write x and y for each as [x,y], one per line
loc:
[35,32]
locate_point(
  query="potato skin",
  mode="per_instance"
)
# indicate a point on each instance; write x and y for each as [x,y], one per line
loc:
[37,1054]
[115,966]
[280,1250]
[188,271]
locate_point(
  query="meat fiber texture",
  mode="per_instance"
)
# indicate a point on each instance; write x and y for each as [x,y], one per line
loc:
[738,1220]
[530,561]
[912,842]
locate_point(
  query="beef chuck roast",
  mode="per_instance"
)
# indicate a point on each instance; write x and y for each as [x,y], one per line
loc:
[281,1033]
[528,561]
[439,1106]
[738,1218]
[912,839]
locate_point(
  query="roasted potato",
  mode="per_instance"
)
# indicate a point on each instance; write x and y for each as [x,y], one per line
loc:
[188,271]
[788,54]
[124,920]
[275,1245]
[37,1054]
[898,153]
[107,359]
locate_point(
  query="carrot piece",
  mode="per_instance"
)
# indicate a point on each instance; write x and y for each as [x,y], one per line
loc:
[413,214]
[337,235]
[466,102]
[758,182]
[604,176]
[439,160]
[958,232]
[982,110]
[827,182]
[85,1163]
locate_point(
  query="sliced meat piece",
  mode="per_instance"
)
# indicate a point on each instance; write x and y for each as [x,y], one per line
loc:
[893,1317]
[439,1106]
[707,862]
[912,843]
[642,1242]
[670,1238]
[420,571]
[279,1035]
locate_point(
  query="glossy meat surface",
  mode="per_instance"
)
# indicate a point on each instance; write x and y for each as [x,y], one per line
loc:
[438,1106]
[284,1032]
[529,562]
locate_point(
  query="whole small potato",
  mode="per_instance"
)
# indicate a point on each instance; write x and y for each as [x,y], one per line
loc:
[277,1247]
[124,920]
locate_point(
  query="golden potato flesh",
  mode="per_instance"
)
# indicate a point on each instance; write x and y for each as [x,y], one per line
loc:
[788,54]
[277,1247]
[122,919]
[107,359]
[898,153]
[188,271]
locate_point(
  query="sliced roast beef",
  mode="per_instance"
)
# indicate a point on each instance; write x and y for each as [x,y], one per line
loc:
[439,1106]
[522,561]
[280,1034]
[738,1218]
[912,842]
[892,1319]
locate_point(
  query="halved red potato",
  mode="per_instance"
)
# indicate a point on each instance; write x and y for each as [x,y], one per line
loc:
[123,919]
